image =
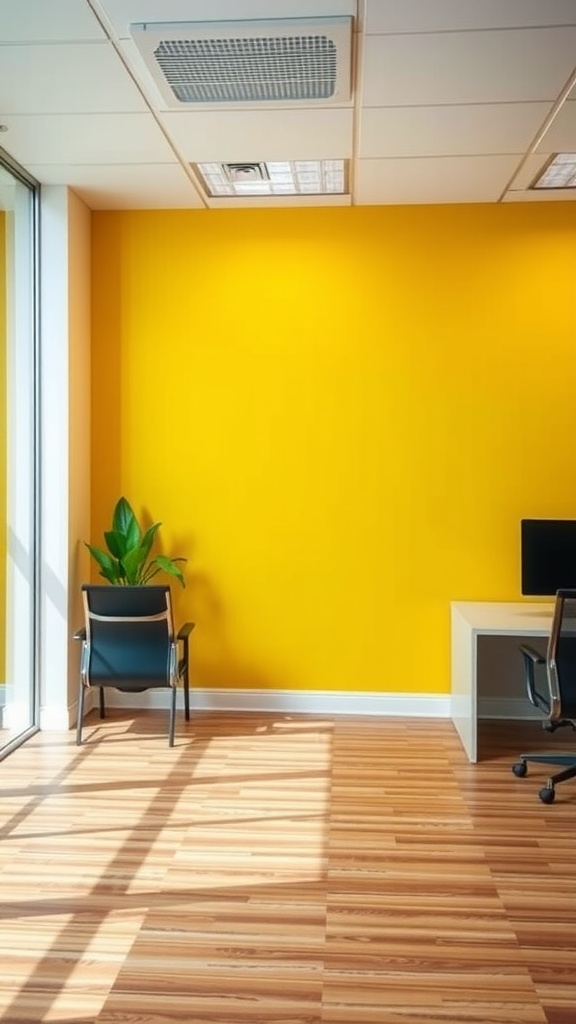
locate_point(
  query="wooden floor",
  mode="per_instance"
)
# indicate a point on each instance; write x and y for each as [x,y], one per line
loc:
[284,870]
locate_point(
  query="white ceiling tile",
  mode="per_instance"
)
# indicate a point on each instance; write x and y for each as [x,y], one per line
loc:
[64,78]
[453,15]
[122,13]
[123,187]
[471,67]
[463,179]
[39,21]
[87,139]
[451,130]
[261,135]
[561,135]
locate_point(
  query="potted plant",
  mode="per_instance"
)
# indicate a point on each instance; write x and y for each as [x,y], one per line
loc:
[128,561]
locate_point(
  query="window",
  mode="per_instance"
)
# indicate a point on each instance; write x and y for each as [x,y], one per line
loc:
[18,455]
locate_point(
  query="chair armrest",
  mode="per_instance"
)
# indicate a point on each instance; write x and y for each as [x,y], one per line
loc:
[185,630]
[532,654]
[531,659]
[80,634]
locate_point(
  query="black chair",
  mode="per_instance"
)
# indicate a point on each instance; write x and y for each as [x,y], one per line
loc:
[558,702]
[129,644]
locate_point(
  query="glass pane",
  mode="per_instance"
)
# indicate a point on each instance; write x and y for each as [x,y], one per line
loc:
[18,702]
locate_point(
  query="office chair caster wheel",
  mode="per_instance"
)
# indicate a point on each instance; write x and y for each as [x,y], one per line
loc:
[520,769]
[547,795]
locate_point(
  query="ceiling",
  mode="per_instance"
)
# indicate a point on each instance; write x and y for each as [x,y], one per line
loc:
[452,101]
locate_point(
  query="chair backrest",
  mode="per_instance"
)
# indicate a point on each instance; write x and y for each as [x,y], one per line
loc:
[561,658]
[130,636]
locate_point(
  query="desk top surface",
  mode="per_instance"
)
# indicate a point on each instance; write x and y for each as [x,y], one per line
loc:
[522,618]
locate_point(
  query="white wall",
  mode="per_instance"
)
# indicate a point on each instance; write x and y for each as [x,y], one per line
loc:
[79,299]
[64,444]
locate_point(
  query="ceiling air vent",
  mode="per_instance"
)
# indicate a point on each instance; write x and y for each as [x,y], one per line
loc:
[295,60]
[246,172]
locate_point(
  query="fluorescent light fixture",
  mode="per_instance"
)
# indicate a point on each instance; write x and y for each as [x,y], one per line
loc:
[559,173]
[274,178]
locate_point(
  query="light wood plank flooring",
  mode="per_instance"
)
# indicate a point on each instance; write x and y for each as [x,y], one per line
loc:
[276,869]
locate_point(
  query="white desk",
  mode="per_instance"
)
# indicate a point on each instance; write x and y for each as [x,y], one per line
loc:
[486,618]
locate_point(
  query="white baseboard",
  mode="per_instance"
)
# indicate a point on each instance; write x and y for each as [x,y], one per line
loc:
[16,718]
[316,702]
[58,717]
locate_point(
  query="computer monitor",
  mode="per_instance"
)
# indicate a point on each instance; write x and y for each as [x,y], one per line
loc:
[548,556]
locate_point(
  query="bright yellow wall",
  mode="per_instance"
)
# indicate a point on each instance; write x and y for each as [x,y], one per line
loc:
[340,415]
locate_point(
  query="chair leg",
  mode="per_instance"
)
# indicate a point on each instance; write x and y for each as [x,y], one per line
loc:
[172,718]
[568,773]
[548,758]
[186,693]
[80,715]
[102,703]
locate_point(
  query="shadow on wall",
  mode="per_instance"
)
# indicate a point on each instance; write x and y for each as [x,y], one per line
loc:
[214,663]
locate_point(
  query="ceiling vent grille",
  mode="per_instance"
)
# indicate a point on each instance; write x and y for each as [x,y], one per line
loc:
[255,62]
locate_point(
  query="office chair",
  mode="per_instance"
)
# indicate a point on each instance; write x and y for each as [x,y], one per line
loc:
[128,644]
[559,703]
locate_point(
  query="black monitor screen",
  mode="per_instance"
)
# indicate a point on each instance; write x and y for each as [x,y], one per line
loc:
[548,556]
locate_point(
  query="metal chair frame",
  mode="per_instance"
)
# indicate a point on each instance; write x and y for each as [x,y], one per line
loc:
[176,645]
[559,704]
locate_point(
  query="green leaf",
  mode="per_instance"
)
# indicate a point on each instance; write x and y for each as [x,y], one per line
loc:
[168,565]
[133,536]
[134,563]
[124,521]
[111,570]
[115,543]
[148,538]
[110,576]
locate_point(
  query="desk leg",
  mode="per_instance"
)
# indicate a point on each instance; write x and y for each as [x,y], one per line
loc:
[464,684]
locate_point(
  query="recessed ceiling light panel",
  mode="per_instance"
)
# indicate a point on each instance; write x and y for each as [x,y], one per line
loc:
[275,178]
[559,173]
